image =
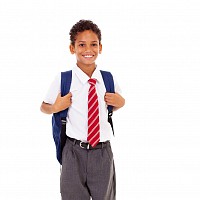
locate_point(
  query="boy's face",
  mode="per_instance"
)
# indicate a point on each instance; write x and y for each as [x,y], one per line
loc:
[86,48]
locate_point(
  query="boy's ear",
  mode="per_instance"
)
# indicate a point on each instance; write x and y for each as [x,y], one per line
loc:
[100,48]
[71,48]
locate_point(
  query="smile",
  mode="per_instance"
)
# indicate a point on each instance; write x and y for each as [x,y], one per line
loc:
[88,56]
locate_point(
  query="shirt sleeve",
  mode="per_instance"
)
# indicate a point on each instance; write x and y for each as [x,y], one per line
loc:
[117,87]
[53,90]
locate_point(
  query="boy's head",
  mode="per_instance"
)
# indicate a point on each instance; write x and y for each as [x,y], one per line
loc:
[85,43]
[82,26]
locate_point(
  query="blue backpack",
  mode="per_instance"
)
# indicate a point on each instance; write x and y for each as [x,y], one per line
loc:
[59,119]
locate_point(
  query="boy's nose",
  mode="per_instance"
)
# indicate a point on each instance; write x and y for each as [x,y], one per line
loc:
[88,48]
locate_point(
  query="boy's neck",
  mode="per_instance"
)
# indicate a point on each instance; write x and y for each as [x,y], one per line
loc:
[87,69]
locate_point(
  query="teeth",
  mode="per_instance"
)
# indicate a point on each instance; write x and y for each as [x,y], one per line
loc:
[88,56]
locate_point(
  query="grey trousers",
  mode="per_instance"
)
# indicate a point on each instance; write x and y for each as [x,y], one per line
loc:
[87,174]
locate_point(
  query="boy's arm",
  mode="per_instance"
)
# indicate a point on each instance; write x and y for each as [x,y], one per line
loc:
[115,100]
[60,104]
[46,108]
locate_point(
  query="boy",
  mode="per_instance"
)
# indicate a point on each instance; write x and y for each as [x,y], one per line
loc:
[87,159]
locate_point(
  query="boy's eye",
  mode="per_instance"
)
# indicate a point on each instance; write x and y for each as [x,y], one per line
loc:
[83,45]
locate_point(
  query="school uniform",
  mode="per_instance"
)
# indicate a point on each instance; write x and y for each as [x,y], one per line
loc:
[85,172]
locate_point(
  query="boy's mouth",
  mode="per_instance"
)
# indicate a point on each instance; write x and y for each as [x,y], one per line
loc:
[87,56]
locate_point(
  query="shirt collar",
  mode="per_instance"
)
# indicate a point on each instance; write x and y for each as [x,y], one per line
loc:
[84,77]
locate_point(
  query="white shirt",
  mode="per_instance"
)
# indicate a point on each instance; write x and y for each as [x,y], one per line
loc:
[76,126]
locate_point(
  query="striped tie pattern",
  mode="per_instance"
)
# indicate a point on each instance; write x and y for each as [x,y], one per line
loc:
[93,115]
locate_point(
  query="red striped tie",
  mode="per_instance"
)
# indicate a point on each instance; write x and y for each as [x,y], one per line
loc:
[93,115]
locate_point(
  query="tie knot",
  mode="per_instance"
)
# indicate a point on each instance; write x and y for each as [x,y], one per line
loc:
[92,81]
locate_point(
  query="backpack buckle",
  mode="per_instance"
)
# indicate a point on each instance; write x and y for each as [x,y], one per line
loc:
[63,121]
[110,113]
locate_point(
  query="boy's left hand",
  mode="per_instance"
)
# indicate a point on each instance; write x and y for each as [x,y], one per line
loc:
[114,99]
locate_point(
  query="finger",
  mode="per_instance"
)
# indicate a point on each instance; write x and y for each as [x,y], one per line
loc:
[108,94]
[106,98]
[69,94]
[109,97]
[108,103]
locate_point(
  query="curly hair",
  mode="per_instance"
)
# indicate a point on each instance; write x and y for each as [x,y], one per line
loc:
[81,26]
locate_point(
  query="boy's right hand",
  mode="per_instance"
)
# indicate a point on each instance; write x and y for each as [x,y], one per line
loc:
[62,103]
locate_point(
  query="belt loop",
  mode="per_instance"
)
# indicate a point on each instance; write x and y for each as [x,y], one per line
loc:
[74,142]
[102,145]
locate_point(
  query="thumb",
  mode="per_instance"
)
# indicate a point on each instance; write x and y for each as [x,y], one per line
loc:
[59,95]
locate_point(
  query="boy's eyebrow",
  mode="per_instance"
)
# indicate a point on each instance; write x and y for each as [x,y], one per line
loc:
[91,41]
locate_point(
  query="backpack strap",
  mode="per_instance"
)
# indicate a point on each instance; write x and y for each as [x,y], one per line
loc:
[66,78]
[59,119]
[110,87]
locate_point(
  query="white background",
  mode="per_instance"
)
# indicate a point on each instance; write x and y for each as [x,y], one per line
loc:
[152,47]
